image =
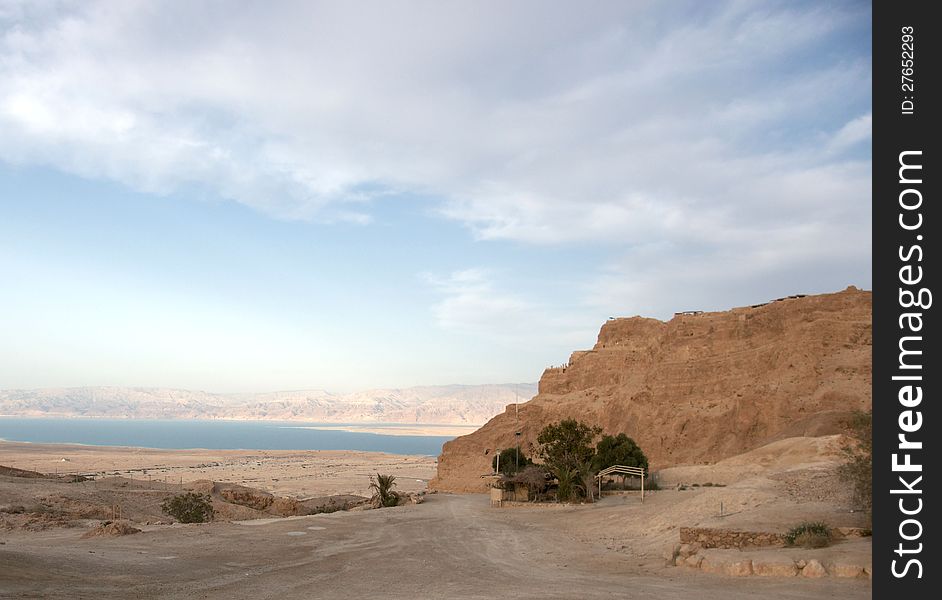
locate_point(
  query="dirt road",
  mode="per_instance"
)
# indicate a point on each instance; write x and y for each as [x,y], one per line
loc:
[448,547]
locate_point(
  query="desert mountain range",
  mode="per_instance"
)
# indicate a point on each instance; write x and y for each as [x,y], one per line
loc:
[445,405]
[699,388]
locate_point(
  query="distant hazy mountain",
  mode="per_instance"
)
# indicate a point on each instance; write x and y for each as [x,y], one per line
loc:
[447,404]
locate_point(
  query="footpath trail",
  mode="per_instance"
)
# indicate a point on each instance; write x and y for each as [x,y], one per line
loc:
[448,547]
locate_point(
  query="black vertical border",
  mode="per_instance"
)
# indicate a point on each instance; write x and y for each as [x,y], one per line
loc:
[895,132]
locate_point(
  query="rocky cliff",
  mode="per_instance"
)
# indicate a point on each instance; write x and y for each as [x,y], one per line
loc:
[699,388]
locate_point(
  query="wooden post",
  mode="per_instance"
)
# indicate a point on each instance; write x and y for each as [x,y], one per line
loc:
[642,486]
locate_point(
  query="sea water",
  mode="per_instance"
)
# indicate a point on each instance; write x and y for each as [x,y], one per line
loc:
[213,435]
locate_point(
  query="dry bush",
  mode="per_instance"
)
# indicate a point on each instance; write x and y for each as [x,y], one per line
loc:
[189,508]
[809,535]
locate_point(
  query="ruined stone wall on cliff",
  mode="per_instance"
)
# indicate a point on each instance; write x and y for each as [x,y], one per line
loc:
[698,388]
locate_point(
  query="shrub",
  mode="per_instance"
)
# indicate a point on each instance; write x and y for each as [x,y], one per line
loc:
[809,535]
[567,489]
[190,507]
[858,470]
[382,486]
[511,461]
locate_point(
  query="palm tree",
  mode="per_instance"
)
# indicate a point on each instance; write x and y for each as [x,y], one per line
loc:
[383,485]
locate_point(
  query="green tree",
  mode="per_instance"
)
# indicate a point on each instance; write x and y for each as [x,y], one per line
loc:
[618,450]
[567,450]
[382,486]
[511,461]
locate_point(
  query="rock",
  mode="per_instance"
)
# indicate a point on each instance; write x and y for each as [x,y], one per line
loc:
[751,375]
[710,564]
[814,569]
[801,563]
[774,568]
[693,560]
[739,568]
[288,507]
[248,497]
[845,570]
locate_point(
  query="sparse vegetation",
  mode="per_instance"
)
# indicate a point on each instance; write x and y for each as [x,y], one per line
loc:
[190,507]
[809,535]
[858,470]
[382,486]
[511,460]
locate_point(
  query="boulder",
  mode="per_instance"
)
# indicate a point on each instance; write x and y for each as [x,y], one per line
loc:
[710,564]
[739,568]
[814,569]
[693,560]
[845,570]
[784,567]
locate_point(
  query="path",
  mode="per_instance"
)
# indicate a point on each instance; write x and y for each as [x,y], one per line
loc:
[448,547]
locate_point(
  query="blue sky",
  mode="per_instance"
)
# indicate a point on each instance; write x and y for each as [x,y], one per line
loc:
[322,195]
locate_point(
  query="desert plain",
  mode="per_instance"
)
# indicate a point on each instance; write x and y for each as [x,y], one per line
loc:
[445,546]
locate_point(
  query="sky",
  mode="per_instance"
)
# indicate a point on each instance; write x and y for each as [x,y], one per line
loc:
[252,196]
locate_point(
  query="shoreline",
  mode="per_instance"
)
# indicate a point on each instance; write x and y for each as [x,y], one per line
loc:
[375,428]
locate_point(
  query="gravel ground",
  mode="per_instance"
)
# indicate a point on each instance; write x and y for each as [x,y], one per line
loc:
[448,547]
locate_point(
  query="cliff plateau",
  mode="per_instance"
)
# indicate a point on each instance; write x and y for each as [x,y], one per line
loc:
[697,389]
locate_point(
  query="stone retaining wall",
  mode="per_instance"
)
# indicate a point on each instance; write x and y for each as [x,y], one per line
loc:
[728,538]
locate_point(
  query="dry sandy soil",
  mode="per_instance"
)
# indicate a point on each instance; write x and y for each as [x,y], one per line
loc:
[281,472]
[447,547]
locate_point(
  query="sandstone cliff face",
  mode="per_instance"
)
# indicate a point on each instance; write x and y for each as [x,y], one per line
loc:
[699,388]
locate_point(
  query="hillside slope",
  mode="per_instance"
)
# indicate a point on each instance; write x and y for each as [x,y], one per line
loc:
[699,388]
[442,405]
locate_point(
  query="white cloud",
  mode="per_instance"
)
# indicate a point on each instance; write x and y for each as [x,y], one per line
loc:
[853,132]
[569,125]
[704,142]
[473,302]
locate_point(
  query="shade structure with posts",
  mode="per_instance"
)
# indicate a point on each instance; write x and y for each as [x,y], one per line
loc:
[621,470]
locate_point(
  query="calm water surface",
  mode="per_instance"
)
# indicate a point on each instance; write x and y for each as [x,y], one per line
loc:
[215,435]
